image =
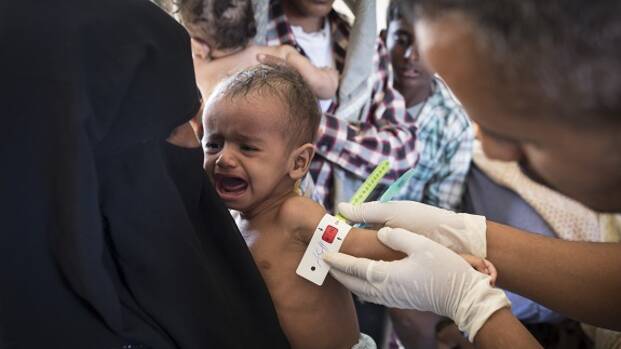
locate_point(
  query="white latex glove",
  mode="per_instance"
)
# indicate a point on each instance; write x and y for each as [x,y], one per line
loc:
[431,278]
[461,232]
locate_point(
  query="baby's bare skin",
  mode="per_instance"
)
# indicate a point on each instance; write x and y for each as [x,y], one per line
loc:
[254,169]
[277,240]
[311,316]
[361,242]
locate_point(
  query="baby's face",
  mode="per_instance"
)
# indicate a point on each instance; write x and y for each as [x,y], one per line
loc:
[246,150]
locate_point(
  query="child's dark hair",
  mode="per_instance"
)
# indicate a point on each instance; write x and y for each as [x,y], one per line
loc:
[286,84]
[397,10]
[223,24]
[394,11]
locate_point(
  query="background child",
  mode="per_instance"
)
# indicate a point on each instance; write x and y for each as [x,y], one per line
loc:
[221,31]
[259,130]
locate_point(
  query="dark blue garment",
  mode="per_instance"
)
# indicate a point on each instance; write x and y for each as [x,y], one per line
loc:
[502,205]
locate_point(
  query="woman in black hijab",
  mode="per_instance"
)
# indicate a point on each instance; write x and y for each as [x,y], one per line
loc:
[110,237]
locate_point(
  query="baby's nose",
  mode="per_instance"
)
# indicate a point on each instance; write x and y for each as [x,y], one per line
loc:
[226,159]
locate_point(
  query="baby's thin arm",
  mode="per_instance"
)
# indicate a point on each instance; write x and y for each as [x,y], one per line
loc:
[364,243]
[303,215]
[323,81]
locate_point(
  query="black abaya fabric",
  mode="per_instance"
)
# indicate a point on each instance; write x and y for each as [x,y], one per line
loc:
[109,236]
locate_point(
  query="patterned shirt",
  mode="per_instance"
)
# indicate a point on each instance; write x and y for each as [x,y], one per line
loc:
[444,141]
[387,131]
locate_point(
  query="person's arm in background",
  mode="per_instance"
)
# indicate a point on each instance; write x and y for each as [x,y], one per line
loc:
[387,132]
[324,82]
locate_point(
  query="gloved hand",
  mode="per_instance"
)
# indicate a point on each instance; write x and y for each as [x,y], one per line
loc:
[461,232]
[431,278]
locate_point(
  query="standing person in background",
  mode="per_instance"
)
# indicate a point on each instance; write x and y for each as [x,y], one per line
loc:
[383,131]
[445,134]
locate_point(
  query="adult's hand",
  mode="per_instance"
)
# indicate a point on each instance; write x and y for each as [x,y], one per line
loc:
[431,278]
[461,232]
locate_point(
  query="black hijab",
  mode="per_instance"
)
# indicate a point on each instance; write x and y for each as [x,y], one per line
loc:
[109,236]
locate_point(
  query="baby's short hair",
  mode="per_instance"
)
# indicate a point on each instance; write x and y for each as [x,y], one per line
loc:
[303,113]
[223,24]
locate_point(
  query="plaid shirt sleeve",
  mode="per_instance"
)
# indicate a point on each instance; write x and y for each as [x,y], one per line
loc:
[387,132]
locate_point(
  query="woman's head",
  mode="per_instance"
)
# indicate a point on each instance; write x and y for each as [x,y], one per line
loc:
[224,25]
[542,79]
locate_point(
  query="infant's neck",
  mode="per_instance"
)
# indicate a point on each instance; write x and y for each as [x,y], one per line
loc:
[267,211]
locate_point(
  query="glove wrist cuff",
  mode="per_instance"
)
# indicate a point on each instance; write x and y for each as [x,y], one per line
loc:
[478,305]
[477,226]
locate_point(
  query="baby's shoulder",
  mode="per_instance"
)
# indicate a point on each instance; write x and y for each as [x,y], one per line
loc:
[300,214]
[296,206]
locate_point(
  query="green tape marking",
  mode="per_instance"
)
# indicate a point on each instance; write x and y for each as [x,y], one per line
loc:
[369,185]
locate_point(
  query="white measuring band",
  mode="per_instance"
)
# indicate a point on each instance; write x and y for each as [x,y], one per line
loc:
[328,237]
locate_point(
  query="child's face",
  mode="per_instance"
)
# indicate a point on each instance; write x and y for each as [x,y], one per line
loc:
[311,8]
[411,74]
[246,150]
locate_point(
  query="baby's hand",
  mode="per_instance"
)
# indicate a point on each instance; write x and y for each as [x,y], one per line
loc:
[482,265]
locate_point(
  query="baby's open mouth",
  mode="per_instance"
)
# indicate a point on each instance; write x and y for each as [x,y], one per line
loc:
[230,187]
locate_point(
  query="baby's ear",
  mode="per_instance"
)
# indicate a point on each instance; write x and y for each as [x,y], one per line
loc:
[200,49]
[300,160]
